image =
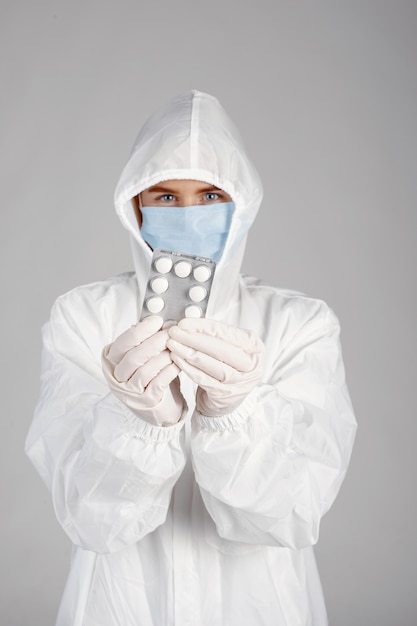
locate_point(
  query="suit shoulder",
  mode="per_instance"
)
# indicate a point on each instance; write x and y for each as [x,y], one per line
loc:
[298,307]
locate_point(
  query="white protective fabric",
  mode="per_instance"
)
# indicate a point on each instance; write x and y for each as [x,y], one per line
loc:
[210,521]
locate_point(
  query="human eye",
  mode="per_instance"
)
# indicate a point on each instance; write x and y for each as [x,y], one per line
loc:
[211,196]
[166,197]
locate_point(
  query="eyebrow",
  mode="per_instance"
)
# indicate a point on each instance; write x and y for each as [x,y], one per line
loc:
[161,188]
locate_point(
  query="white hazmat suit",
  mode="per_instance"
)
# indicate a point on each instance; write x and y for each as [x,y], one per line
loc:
[209,521]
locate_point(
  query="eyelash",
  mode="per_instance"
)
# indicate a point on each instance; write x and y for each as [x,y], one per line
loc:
[170,197]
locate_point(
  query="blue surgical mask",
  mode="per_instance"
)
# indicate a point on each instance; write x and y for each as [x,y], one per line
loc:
[199,230]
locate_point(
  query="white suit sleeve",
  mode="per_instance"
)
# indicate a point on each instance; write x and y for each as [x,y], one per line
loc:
[269,470]
[110,474]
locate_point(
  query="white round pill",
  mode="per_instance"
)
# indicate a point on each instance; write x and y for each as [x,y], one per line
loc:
[197,293]
[202,273]
[155,305]
[193,311]
[182,269]
[163,265]
[159,285]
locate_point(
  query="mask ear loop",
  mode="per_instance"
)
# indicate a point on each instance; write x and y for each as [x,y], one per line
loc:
[137,205]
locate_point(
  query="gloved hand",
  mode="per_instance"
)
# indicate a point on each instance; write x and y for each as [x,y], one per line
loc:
[224,361]
[139,371]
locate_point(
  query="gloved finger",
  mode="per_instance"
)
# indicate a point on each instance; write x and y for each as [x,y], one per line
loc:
[213,367]
[218,348]
[158,385]
[137,356]
[147,372]
[132,337]
[240,337]
[200,378]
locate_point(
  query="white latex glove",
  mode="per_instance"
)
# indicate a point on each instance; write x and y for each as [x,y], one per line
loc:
[139,371]
[224,361]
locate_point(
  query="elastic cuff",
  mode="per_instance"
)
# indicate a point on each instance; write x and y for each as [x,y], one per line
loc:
[137,427]
[230,421]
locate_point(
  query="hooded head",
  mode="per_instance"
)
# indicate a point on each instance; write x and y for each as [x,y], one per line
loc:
[192,138]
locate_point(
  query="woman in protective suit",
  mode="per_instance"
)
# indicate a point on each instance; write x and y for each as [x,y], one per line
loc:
[190,464]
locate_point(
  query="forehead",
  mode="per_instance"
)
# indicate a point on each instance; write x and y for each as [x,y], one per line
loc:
[181,186]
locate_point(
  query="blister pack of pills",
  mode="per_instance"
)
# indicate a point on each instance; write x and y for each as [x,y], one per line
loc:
[178,285]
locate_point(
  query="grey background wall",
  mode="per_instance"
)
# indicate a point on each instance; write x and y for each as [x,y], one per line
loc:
[325,95]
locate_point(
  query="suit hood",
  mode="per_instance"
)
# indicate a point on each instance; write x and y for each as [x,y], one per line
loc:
[192,138]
